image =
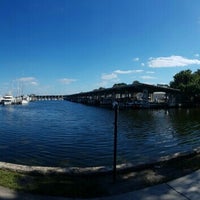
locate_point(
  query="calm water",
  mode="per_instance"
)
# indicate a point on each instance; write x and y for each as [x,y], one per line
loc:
[61,133]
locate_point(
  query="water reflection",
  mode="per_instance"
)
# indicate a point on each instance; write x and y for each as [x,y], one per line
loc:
[185,123]
[68,134]
[155,133]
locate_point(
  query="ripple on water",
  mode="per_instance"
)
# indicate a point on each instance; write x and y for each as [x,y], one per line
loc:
[61,133]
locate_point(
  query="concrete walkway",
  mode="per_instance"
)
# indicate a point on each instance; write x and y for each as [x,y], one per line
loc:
[184,188]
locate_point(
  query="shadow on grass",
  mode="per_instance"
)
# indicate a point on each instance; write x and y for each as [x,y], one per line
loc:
[59,185]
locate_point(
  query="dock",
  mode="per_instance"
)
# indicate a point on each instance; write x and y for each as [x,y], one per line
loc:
[137,95]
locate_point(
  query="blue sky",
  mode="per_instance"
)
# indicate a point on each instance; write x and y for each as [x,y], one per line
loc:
[70,46]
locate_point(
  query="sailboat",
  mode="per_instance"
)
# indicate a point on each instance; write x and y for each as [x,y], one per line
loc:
[25,100]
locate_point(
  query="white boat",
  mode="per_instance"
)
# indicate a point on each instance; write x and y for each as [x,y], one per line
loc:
[8,100]
[25,100]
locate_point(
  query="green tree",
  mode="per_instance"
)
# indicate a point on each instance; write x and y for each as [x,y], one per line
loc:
[181,79]
[119,85]
[188,83]
[135,82]
[196,82]
[101,88]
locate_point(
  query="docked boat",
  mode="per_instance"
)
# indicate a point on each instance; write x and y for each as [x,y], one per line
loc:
[25,100]
[8,100]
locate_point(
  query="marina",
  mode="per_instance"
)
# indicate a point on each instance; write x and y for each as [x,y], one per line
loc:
[11,100]
[133,96]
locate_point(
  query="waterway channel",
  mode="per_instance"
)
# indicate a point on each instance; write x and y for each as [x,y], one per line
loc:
[62,133]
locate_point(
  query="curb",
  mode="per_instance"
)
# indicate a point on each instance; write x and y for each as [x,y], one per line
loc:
[78,171]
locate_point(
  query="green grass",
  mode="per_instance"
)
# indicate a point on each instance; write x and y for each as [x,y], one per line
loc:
[10,179]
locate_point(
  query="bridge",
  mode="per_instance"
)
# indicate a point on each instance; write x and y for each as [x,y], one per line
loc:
[46,97]
[129,95]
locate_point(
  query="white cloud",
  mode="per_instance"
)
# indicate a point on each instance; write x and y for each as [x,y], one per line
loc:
[28,80]
[123,72]
[150,72]
[108,83]
[136,59]
[109,76]
[128,71]
[147,77]
[172,61]
[34,83]
[138,71]
[142,64]
[67,80]
[108,79]
[196,55]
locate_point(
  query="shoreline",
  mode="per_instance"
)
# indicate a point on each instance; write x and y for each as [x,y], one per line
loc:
[77,171]
[96,181]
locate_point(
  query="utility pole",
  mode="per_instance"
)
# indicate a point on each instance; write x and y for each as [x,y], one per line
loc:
[115,106]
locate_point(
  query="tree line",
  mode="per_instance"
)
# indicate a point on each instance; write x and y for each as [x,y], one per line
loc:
[189,84]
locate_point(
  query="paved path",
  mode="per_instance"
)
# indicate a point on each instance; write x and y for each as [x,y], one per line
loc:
[184,188]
